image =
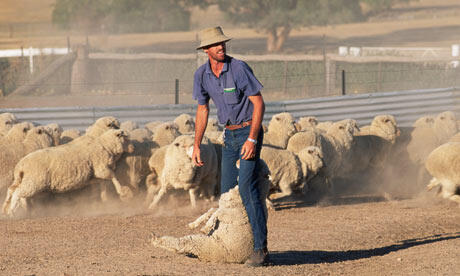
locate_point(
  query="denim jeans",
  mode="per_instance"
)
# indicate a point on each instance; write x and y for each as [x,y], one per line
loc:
[246,178]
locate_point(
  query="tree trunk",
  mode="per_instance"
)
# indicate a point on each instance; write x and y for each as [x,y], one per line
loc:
[282,37]
[276,38]
[271,40]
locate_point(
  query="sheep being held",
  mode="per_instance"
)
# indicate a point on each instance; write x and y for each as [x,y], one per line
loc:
[63,168]
[227,234]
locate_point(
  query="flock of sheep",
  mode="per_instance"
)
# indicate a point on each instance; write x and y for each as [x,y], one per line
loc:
[302,156]
[299,156]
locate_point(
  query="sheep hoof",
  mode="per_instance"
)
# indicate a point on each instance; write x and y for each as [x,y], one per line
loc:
[126,194]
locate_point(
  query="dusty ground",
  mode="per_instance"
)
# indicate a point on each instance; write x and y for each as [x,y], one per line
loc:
[352,235]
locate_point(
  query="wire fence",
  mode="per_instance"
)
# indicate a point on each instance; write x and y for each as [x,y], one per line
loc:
[283,77]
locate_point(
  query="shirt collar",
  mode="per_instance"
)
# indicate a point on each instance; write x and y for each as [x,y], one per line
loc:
[224,69]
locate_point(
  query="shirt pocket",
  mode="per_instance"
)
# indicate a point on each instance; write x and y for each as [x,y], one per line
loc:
[231,95]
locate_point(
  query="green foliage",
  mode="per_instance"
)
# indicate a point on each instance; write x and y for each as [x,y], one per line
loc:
[121,16]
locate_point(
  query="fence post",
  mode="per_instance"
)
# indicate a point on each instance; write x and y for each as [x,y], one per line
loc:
[177,92]
[285,77]
[343,83]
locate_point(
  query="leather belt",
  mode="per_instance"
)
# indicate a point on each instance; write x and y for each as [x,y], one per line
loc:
[243,124]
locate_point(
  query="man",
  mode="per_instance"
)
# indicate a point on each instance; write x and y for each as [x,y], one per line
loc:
[235,91]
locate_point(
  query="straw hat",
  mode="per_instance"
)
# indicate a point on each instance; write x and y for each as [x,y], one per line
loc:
[211,36]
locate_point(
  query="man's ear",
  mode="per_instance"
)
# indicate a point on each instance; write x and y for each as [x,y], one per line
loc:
[205,50]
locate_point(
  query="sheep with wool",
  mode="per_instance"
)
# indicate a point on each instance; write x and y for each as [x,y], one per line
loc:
[227,234]
[281,127]
[62,169]
[185,123]
[443,164]
[179,172]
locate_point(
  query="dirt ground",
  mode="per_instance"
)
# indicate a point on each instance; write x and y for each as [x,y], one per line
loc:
[349,235]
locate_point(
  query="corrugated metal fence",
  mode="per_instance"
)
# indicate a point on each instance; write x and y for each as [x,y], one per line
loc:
[406,106]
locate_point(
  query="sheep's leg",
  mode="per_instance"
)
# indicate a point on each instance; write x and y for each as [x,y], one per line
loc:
[151,182]
[200,219]
[157,198]
[185,245]
[7,202]
[211,223]
[269,204]
[14,204]
[124,191]
[433,183]
[103,194]
[192,192]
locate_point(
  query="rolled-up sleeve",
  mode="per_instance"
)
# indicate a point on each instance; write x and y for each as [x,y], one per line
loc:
[247,82]
[199,93]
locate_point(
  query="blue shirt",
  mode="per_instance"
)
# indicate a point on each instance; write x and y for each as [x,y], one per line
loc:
[229,91]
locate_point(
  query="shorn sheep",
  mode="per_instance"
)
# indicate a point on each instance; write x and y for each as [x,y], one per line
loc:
[62,169]
[443,164]
[179,172]
[227,235]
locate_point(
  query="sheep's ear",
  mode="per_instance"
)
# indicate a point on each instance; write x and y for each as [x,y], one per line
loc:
[341,127]
[39,131]
[167,127]
[24,130]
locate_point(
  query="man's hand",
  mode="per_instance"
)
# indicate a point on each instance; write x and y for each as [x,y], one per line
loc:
[248,151]
[196,156]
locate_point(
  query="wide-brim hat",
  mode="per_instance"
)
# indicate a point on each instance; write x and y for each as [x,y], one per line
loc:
[211,36]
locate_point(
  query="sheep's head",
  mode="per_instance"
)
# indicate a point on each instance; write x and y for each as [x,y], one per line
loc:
[386,127]
[39,137]
[7,120]
[312,157]
[165,133]
[425,121]
[343,131]
[307,122]
[445,124]
[55,131]
[101,125]
[185,122]
[283,122]
[178,158]
[117,141]
[213,125]
[19,131]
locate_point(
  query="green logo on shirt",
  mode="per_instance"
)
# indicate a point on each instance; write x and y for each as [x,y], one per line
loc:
[229,90]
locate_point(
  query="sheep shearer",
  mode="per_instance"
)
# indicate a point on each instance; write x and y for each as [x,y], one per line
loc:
[235,91]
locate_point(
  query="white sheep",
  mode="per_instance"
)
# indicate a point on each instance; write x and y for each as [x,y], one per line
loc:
[165,133]
[455,138]
[61,169]
[324,126]
[285,171]
[384,126]
[56,131]
[128,125]
[16,134]
[213,125]
[281,127]
[443,164]
[179,172]
[69,135]
[428,135]
[7,120]
[307,122]
[11,153]
[152,125]
[132,167]
[185,123]
[334,144]
[227,234]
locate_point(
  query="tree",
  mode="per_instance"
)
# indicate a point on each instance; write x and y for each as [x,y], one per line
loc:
[121,16]
[277,18]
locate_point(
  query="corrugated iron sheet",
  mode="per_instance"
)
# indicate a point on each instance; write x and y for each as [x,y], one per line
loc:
[406,106]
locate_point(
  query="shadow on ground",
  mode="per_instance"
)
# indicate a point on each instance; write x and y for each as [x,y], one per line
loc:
[317,257]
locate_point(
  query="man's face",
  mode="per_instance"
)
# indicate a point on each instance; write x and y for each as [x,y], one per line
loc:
[216,51]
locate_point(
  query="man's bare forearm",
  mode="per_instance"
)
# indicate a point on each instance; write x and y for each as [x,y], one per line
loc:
[257,115]
[201,121]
